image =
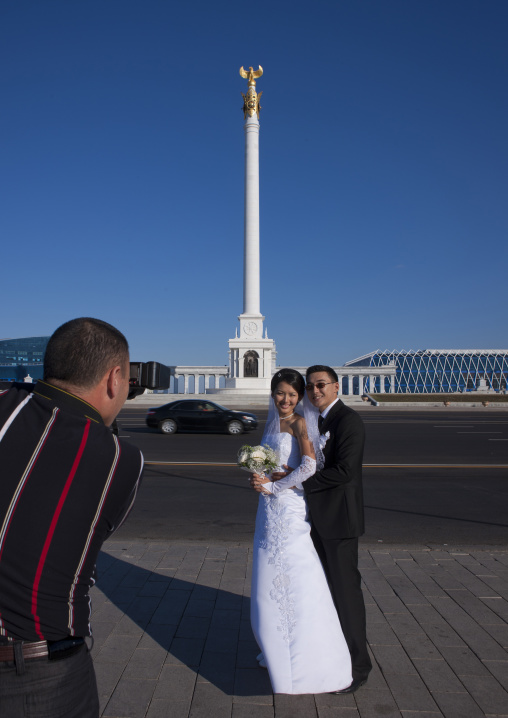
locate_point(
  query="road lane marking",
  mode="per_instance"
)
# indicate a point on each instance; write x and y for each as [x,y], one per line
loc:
[365,466]
[384,422]
[434,516]
[188,463]
[425,421]
[435,466]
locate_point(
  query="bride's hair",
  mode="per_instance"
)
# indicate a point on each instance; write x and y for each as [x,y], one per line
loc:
[291,377]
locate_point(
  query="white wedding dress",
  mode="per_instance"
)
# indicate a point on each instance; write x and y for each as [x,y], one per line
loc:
[292,612]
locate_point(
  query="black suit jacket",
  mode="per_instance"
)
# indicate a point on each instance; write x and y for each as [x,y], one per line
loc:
[335,494]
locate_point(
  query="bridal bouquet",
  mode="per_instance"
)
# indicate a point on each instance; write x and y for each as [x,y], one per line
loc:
[257,459]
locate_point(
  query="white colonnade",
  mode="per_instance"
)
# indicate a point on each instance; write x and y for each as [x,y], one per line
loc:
[357,380]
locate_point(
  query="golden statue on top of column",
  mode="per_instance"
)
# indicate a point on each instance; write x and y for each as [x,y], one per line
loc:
[251,99]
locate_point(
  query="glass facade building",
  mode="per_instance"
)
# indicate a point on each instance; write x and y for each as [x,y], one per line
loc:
[429,371]
[22,357]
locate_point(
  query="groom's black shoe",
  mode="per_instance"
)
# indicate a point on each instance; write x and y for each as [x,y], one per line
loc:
[355,685]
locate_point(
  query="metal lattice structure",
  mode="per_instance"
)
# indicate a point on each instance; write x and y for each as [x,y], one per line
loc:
[428,371]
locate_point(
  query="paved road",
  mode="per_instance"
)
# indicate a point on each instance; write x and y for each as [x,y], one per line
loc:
[431,477]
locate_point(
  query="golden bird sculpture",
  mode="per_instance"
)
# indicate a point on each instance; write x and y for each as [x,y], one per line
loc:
[252,75]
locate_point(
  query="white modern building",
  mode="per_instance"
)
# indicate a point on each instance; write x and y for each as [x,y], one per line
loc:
[424,371]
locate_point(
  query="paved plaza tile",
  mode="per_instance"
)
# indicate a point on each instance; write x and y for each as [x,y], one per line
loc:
[173,638]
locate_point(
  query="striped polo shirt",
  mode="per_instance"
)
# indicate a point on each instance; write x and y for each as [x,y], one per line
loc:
[66,483]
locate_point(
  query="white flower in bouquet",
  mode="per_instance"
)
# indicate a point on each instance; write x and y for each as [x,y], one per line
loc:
[257,459]
[243,457]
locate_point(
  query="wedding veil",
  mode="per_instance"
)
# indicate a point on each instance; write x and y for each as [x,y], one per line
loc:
[272,426]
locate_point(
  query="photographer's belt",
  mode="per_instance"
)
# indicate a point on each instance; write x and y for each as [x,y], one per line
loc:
[52,650]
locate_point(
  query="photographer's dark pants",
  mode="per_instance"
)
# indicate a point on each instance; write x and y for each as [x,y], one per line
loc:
[340,562]
[44,688]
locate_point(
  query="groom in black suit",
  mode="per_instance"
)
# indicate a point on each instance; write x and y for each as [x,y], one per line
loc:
[335,500]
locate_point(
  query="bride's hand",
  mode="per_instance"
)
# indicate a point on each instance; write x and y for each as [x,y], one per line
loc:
[276,475]
[257,481]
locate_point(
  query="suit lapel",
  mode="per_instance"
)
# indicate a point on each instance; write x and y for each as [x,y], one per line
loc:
[331,414]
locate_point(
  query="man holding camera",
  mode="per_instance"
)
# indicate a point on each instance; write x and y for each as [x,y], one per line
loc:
[66,484]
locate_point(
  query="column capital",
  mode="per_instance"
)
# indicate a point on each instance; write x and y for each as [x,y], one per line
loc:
[251,104]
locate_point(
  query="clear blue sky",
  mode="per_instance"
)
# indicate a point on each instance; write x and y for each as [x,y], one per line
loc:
[383,164]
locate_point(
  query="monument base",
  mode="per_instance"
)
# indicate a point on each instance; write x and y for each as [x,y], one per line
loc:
[243,385]
[248,383]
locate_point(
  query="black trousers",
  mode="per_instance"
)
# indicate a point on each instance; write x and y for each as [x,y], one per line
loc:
[340,562]
[49,689]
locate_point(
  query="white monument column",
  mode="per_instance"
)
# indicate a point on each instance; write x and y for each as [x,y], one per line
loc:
[251,303]
[252,354]
[251,319]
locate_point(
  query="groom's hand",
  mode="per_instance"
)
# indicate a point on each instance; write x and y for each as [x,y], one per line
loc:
[276,475]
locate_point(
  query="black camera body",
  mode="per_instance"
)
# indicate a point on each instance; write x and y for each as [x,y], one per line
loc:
[147,375]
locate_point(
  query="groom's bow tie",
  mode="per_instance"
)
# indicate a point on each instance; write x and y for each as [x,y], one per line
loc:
[320,422]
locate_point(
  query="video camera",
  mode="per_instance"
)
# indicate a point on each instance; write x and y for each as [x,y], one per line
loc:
[147,375]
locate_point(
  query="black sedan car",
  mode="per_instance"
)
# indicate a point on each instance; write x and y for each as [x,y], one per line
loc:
[202,416]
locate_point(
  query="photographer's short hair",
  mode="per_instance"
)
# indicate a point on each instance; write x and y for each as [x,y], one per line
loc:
[321,367]
[82,350]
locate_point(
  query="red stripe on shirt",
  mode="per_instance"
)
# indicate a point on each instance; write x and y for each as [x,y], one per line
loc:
[111,476]
[54,521]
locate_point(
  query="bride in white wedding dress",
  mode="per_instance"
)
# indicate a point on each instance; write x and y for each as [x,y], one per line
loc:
[292,612]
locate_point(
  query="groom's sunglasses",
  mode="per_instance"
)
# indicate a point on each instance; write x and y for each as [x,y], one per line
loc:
[318,385]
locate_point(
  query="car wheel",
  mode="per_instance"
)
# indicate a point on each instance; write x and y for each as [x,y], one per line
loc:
[168,426]
[235,427]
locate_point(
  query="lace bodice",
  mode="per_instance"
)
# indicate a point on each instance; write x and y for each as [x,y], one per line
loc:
[287,449]
[289,454]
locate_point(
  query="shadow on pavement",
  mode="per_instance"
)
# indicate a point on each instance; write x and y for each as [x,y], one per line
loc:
[184,623]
